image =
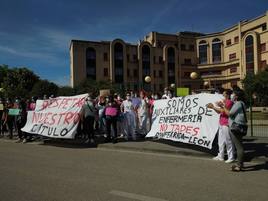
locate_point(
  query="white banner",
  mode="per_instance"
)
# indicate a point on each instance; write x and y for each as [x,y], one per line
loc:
[57,117]
[186,119]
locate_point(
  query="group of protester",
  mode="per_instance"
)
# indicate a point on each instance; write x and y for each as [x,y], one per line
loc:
[10,122]
[131,117]
[113,115]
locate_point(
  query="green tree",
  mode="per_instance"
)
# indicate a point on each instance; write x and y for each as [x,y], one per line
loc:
[19,82]
[44,87]
[257,85]
[92,86]
[3,73]
[66,91]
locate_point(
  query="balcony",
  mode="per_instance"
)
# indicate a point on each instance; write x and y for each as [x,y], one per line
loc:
[215,65]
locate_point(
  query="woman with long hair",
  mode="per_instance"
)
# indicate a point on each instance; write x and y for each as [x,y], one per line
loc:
[237,115]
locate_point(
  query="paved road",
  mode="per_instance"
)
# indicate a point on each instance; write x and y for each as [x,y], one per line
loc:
[45,173]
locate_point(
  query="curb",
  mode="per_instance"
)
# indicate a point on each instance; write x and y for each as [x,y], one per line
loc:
[148,150]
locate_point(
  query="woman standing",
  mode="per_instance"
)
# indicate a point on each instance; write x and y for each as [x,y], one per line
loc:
[142,111]
[111,114]
[224,138]
[237,115]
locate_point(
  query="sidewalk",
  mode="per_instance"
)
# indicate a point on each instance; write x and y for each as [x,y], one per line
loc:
[256,148]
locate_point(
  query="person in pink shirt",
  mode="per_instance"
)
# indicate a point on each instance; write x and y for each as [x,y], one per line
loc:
[224,138]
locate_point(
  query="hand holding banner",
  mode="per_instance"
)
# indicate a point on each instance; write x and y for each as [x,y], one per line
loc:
[57,117]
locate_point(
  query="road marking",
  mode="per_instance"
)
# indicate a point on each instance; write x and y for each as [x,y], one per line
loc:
[135,196]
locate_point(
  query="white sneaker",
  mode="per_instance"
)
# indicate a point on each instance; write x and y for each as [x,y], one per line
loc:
[217,158]
[229,161]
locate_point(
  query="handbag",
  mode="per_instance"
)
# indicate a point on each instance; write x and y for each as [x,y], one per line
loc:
[240,129]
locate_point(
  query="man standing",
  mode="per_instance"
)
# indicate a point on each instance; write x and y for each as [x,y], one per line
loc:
[224,138]
[88,117]
[142,114]
[127,109]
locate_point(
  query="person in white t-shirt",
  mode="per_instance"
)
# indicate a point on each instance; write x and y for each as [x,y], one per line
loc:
[167,94]
[129,123]
[143,113]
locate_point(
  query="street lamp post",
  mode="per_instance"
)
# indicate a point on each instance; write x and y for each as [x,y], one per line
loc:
[194,75]
[172,87]
[148,80]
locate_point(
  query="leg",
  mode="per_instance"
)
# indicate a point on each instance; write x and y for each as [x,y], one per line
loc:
[221,142]
[229,143]
[132,125]
[144,124]
[91,127]
[114,122]
[20,133]
[125,126]
[86,126]
[237,139]
[108,128]
[10,127]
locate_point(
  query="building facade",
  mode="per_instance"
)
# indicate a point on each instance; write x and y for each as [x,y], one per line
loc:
[220,59]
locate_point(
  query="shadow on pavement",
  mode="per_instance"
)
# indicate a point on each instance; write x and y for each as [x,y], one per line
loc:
[255,150]
[213,151]
[263,166]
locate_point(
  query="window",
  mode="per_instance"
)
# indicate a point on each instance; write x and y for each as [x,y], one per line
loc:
[232,56]
[105,56]
[236,39]
[91,63]
[154,73]
[264,27]
[188,61]
[135,87]
[135,73]
[187,74]
[159,44]
[203,52]
[160,73]
[171,65]
[118,63]
[161,60]
[216,50]
[128,74]
[233,69]
[154,60]
[229,42]
[127,57]
[263,64]
[263,47]
[191,48]
[183,47]
[105,72]
[161,87]
[249,51]
[135,57]
[146,53]
[233,84]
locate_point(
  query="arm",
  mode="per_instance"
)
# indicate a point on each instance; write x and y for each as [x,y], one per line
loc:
[216,109]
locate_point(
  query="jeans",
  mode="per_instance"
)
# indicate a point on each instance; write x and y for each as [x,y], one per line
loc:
[89,126]
[111,121]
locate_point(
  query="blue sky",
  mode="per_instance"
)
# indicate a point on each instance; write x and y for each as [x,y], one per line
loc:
[36,34]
